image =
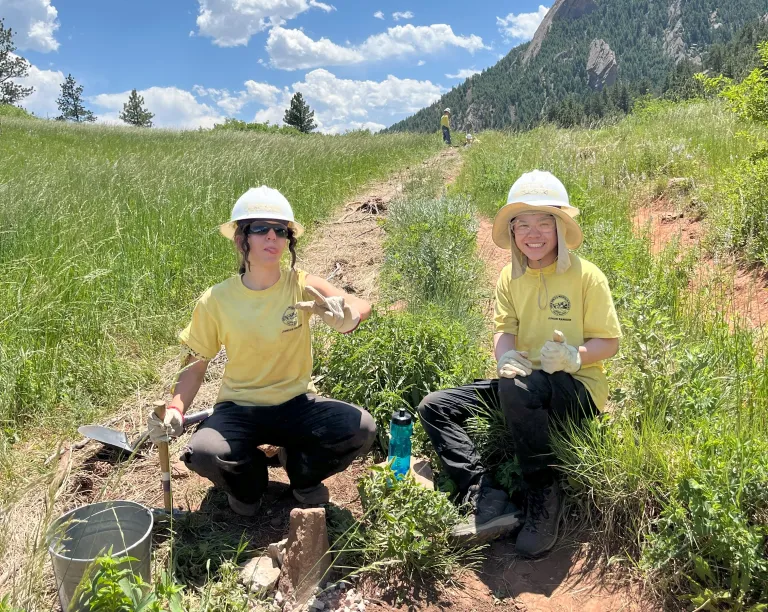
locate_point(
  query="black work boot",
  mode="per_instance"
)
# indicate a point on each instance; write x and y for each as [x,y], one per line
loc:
[493,515]
[542,519]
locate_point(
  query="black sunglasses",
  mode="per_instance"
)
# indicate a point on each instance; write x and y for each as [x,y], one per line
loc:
[262,230]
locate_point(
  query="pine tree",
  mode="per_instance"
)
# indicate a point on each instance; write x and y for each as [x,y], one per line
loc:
[134,112]
[71,102]
[11,67]
[299,115]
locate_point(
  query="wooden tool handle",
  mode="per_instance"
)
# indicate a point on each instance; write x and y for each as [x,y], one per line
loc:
[165,460]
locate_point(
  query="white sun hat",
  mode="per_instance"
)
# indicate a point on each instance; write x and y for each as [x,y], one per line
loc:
[261,203]
[537,192]
[447,110]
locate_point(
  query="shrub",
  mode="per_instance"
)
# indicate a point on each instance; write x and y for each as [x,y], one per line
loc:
[404,534]
[8,110]
[241,126]
[430,257]
[392,361]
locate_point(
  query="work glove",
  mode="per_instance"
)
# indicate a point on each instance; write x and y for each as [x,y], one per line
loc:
[557,355]
[333,310]
[171,426]
[513,364]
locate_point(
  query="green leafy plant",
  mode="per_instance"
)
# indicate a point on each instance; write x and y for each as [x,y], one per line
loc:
[393,360]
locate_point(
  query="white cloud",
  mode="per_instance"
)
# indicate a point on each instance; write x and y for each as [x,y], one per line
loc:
[47,84]
[294,50]
[397,16]
[344,104]
[232,22]
[379,15]
[464,73]
[34,23]
[232,103]
[172,107]
[521,26]
[420,63]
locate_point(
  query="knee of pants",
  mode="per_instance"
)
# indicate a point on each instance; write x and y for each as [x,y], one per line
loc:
[366,434]
[430,406]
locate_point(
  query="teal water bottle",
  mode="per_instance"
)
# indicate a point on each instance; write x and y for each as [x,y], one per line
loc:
[400,430]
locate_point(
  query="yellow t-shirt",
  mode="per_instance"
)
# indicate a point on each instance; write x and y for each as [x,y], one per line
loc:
[578,303]
[445,121]
[268,343]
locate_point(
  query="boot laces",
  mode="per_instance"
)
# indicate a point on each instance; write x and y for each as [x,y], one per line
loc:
[537,508]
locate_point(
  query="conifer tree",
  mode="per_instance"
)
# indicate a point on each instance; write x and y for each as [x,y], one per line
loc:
[134,112]
[299,114]
[11,67]
[71,102]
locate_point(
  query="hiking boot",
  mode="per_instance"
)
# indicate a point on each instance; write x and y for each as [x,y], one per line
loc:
[313,496]
[242,508]
[493,515]
[542,520]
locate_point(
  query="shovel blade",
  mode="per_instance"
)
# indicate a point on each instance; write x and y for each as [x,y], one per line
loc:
[105,435]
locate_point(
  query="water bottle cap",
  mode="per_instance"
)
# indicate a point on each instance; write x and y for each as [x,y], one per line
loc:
[401,417]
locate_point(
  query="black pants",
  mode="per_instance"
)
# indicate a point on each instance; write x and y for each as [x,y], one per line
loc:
[446,135]
[531,406]
[321,437]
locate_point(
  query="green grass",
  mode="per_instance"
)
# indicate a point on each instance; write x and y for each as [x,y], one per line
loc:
[676,478]
[108,235]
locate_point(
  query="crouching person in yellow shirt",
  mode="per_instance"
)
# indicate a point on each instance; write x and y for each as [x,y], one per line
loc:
[555,323]
[261,316]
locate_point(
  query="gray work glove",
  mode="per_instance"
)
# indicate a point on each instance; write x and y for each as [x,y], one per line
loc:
[171,426]
[513,364]
[334,311]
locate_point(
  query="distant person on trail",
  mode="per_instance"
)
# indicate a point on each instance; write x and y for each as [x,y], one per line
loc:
[555,323]
[261,316]
[445,123]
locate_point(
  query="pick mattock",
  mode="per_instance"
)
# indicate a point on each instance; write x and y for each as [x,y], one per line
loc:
[165,461]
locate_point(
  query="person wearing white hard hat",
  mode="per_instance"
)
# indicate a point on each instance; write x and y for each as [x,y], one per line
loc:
[555,323]
[261,317]
[445,123]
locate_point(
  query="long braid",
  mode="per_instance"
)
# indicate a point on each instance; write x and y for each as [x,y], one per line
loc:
[245,249]
[292,248]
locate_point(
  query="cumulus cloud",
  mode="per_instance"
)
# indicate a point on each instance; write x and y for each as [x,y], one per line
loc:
[420,63]
[233,102]
[47,87]
[294,50]
[34,23]
[464,73]
[521,26]
[232,22]
[379,15]
[397,16]
[172,107]
[344,104]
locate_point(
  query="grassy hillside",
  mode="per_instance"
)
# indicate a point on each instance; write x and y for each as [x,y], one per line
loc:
[109,234]
[675,479]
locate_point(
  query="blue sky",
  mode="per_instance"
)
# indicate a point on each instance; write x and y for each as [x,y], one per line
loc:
[364,63]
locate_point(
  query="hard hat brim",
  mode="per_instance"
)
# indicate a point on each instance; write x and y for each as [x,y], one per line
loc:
[573,234]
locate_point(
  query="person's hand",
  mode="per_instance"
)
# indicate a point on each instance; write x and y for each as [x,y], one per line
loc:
[513,364]
[171,426]
[557,355]
[334,311]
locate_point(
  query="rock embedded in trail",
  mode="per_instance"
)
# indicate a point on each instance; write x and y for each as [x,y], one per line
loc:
[307,558]
[260,574]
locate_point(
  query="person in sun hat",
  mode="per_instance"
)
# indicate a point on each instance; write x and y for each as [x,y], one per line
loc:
[555,323]
[261,316]
[445,123]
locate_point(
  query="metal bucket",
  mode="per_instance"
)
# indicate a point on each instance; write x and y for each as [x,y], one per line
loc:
[78,537]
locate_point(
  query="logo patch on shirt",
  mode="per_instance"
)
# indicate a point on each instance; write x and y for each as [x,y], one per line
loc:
[560,305]
[290,317]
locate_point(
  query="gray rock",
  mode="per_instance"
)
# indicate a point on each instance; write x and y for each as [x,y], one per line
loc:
[259,574]
[306,560]
[276,550]
[602,67]
[561,9]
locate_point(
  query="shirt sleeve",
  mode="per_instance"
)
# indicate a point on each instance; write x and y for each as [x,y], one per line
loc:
[201,336]
[504,313]
[600,319]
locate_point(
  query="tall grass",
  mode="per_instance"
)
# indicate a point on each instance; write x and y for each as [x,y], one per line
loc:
[107,236]
[676,476]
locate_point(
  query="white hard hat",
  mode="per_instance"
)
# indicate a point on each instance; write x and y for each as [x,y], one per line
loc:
[469,136]
[537,191]
[261,203]
[447,110]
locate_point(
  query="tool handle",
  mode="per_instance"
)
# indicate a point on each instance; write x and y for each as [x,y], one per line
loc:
[197,417]
[165,460]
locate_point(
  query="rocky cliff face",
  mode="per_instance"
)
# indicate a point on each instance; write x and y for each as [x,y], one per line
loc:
[561,9]
[602,67]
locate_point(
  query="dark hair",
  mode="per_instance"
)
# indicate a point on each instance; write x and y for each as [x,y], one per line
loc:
[246,248]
